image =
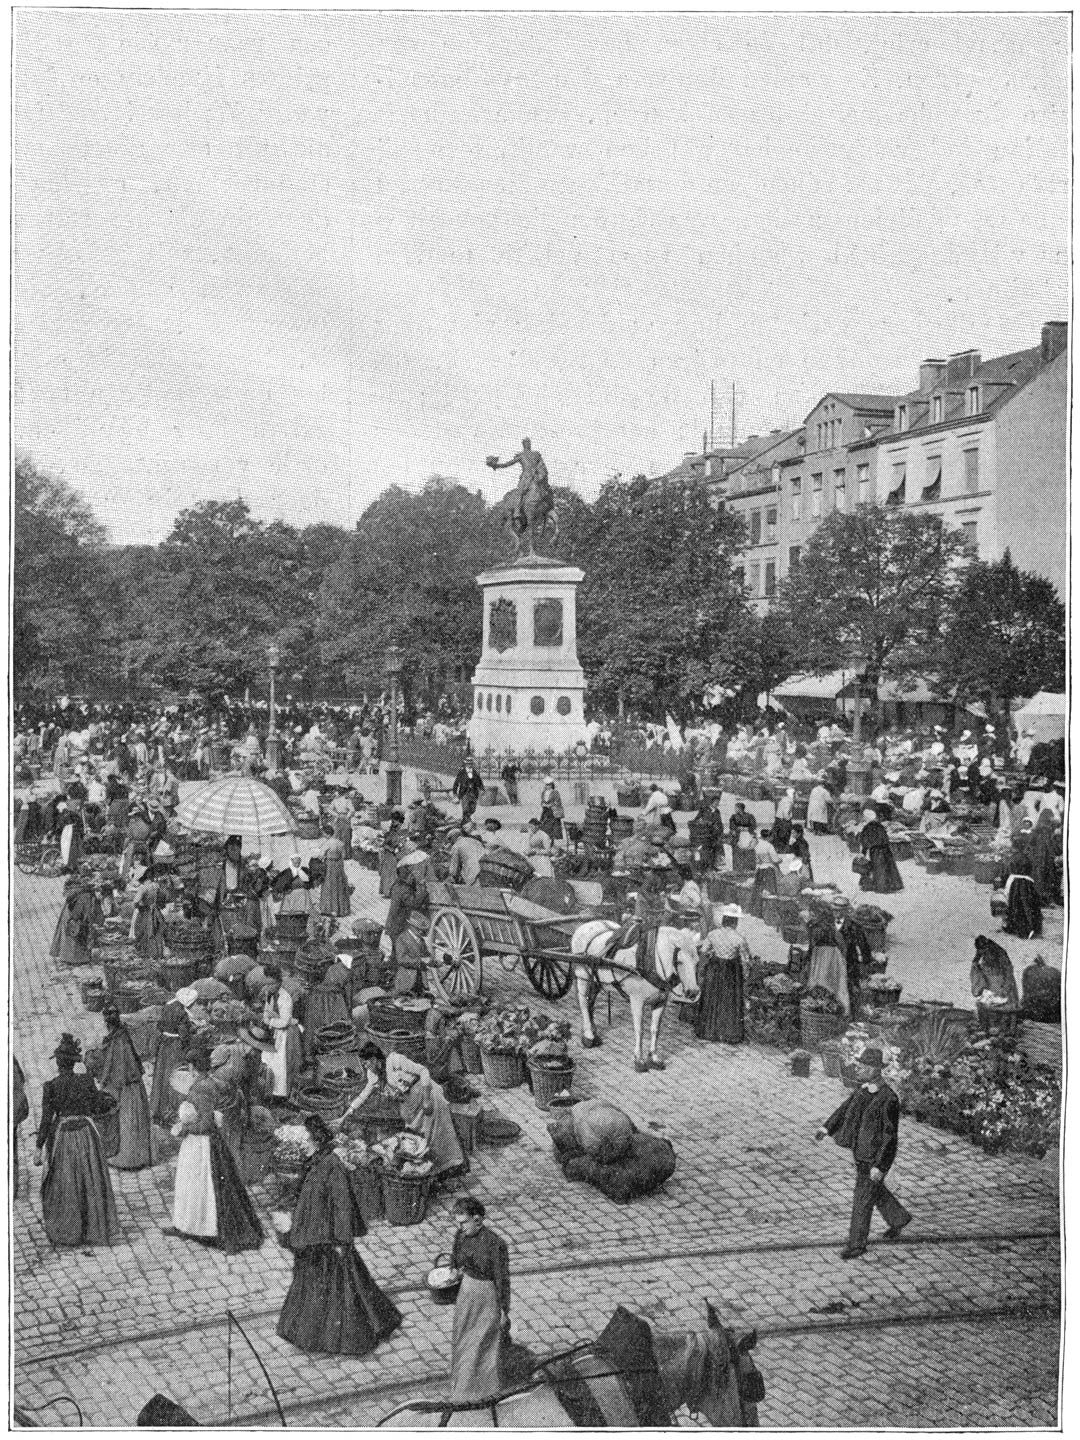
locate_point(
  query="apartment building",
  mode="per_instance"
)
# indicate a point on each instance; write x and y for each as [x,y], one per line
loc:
[981,443]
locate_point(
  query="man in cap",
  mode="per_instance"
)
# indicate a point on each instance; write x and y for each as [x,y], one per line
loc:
[868,1124]
[465,855]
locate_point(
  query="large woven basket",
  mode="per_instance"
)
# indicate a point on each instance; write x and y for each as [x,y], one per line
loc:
[404,1198]
[814,1027]
[504,873]
[94,995]
[177,971]
[830,1059]
[404,1042]
[321,1100]
[291,927]
[502,1072]
[312,960]
[548,1082]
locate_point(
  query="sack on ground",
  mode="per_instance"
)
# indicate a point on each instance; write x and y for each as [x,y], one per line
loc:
[601,1130]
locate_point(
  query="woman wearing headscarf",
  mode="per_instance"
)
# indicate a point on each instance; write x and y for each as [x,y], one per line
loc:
[285,1060]
[122,1077]
[74,931]
[1045,848]
[882,877]
[334,892]
[174,1033]
[993,983]
[77,1201]
[210,1203]
[422,1105]
[333,1307]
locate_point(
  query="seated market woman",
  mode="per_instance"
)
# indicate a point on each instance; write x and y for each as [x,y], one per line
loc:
[77,1202]
[993,984]
[422,1106]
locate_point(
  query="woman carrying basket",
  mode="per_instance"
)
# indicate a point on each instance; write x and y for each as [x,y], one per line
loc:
[482,1308]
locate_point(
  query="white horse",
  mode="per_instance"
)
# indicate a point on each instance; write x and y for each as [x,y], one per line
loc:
[676,963]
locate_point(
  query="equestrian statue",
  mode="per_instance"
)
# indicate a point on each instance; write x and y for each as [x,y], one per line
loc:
[534,504]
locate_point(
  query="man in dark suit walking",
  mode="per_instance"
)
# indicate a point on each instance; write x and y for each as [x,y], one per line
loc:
[867,1124]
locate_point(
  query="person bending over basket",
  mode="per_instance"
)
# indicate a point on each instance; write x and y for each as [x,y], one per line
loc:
[421,1103]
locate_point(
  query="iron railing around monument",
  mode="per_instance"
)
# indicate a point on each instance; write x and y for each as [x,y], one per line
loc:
[640,762]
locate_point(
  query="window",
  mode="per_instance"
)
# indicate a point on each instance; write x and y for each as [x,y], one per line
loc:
[796,498]
[937,409]
[815,497]
[973,400]
[770,577]
[840,489]
[898,492]
[971,538]
[971,471]
[793,558]
[755,527]
[820,435]
[770,524]
[901,417]
[755,579]
[932,488]
[839,430]
[862,474]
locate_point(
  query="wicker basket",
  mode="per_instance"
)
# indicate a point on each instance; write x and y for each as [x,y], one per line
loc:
[499,873]
[986,869]
[443,1294]
[180,970]
[319,1100]
[814,1027]
[404,1042]
[404,1198]
[312,961]
[502,1072]
[547,1082]
[935,865]
[93,994]
[291,927]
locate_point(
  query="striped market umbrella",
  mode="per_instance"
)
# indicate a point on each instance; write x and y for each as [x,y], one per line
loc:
[235,805]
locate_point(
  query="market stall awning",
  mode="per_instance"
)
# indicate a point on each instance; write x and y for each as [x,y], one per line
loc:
[1045,715]
[812,687]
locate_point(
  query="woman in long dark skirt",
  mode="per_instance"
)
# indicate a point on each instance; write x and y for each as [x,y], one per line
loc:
[77,1201]
[1045,848]
[1024,915]
[883,877]
[333,1307]
[720,976]
[74,932]
[173,1040]
[210,1202]
[122,1078]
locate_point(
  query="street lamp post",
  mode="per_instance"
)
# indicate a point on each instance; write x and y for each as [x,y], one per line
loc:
[858,771]
[273,740]
[394,661]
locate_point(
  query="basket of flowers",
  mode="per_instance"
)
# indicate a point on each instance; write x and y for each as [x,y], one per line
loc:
[883,990]
[502,1047]
[821,1016]
[405,1177]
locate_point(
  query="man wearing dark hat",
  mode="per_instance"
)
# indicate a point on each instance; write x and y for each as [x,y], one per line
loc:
[468,787]
[867,1124]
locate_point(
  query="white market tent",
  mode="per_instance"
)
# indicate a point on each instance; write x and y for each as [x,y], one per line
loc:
[1045,715]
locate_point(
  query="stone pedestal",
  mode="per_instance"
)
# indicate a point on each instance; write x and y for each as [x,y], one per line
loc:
[528,689]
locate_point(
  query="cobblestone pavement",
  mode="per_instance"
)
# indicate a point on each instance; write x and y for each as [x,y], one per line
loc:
[957,1326]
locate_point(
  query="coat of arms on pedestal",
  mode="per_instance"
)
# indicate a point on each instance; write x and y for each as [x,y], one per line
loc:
[502,625]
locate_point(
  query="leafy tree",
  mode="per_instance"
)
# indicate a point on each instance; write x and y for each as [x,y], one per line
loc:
[408,577]
[57,556]
[660,615]
[873,587]
[1004,636]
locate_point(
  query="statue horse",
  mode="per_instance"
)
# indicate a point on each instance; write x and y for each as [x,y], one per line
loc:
[674,964]
[532,516]
[709,1371]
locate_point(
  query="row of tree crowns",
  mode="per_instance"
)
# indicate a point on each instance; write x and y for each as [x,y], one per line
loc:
[662,613]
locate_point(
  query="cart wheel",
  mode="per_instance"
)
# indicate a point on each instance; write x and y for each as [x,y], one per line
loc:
[25,865]
[50,864]
[456,970]
[550,978]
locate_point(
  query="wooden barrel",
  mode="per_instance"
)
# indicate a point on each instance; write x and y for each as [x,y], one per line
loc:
[622,827]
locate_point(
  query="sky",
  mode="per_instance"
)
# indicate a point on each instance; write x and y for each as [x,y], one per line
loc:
[301,257]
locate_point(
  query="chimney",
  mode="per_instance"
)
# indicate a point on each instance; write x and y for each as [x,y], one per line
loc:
[962,365]
[931,373]
[1055,339]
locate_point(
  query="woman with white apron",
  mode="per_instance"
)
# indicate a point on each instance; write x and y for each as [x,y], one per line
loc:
[284,1060]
